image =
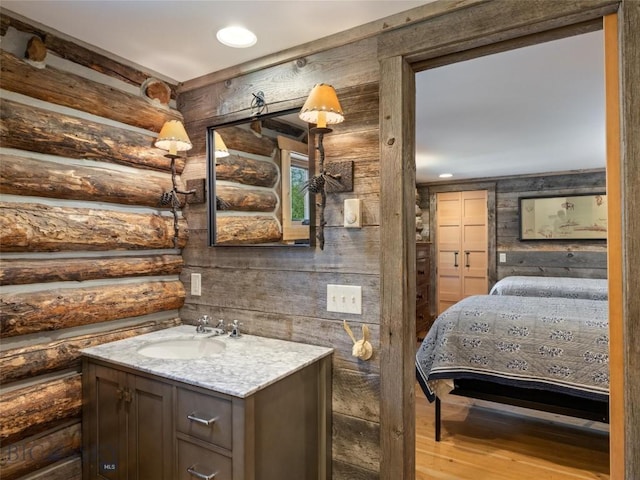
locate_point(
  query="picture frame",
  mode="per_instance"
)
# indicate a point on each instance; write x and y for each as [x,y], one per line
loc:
[567,217]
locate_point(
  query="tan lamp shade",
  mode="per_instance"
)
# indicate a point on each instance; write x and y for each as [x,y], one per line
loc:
[173,137]
[322,107]
[220,148]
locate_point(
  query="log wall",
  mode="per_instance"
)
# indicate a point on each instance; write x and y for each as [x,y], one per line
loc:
[559,258]
[87,254]
[248,188]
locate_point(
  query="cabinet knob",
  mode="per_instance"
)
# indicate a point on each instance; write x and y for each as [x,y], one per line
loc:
[193,472]
[124,394]
[195,417]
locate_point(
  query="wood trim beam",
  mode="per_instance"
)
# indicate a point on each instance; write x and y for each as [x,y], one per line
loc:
[629,38]
[485,24]
[397,267]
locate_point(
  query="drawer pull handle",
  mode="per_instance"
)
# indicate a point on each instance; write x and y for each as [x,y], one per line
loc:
[204,421]
[421,272]
[192,471]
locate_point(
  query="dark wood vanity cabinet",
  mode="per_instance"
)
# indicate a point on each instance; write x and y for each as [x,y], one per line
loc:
[130,418]
[139,426]
[424,319]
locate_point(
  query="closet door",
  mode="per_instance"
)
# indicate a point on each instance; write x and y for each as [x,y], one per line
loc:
[474,243]
[448,238]
[461,246]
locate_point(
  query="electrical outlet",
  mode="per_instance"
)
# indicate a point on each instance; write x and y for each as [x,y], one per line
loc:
[503,258]
[344,299]
[196,284]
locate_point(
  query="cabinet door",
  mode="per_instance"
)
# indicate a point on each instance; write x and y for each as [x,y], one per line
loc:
[105,423]
[150,420]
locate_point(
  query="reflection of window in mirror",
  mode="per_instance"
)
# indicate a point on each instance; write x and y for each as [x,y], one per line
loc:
[295,203]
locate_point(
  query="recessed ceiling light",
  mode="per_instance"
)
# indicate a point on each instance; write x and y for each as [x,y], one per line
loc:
[446,175]
[236,37]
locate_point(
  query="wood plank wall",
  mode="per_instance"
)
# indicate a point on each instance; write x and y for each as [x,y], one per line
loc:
[87,255]
[586,258]
[280,292]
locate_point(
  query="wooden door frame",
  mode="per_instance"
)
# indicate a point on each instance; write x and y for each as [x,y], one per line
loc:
[470,30]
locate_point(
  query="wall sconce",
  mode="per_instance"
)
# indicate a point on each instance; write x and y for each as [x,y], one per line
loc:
[173,138]
[221,149]
[323,108]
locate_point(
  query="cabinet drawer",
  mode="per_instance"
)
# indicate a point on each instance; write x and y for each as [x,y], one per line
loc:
[195,410]
[196,462]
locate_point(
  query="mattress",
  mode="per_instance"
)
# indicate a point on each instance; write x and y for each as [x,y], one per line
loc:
[587,288]
[555,344]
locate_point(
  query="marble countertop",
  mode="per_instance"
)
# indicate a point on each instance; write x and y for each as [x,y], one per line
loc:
[246,365]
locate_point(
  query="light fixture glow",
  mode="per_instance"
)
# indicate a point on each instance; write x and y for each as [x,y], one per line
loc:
[445,175]
[236,37]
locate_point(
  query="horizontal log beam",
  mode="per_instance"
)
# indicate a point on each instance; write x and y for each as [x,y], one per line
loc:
[32,360]
[39,130]
[83,56]
[247,171]
[32,312]
[28,176]
[30,227]
[63,88]
[247,230]
[33,409]
[21,271]
[244,140]
[247,199]
[34,453]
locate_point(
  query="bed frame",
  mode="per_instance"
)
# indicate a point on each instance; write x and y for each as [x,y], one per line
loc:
[552,402]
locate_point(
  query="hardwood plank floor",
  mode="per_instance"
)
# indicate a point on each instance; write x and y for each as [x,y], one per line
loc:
[486,441]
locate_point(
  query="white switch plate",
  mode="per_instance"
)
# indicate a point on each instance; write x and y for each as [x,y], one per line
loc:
[196,284]
[503,258]
[352,213]
[344,298]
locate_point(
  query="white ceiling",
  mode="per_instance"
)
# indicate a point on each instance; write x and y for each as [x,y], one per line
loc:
[532,110]
[177,38]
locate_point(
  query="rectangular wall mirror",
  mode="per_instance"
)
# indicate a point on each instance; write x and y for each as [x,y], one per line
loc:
[256,170]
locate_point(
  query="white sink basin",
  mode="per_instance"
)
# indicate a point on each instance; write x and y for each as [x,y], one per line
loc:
[182,348]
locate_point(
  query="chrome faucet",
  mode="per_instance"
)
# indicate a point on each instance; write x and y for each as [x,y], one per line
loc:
[235,329]
[202,321]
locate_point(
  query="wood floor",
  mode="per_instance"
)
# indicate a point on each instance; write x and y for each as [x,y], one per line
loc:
[486,441]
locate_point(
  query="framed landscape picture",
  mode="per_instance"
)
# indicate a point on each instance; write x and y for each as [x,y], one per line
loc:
[575,217]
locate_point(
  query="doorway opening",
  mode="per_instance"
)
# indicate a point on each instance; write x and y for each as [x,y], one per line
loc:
[526,122]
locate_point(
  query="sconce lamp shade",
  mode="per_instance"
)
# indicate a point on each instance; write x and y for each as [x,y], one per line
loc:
[322,107]
[173,137]
[220,148]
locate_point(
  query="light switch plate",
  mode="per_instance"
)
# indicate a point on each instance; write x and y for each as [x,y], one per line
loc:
[344,299]
[196,284]
[352,213]
[503,258]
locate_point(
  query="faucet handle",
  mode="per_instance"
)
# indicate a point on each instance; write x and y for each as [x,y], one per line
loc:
[235,329]
[202,321]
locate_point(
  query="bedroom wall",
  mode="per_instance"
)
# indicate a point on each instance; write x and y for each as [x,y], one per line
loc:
[87,257]
[586,258]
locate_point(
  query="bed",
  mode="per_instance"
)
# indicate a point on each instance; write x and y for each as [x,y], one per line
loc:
[566,287]
[548,353]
